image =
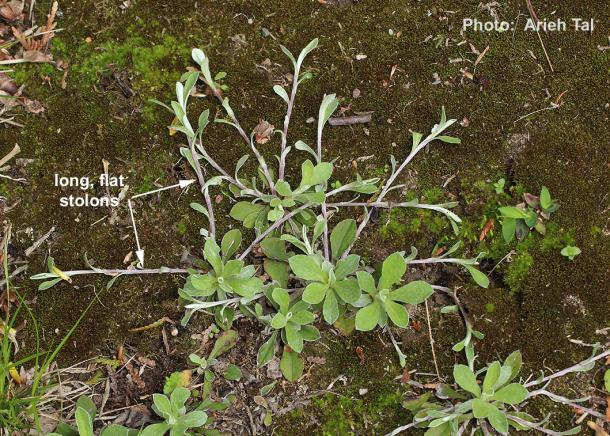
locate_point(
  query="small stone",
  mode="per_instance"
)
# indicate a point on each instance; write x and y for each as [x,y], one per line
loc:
[361,57]
[362,391]
[356,93]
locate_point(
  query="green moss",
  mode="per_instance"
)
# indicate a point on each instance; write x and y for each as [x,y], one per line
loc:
[181,226]
[342,415]
[555,238]
[155,61]
[518,270]
[148,179]
[433,195]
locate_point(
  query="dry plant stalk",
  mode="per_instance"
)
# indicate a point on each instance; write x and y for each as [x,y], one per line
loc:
[11,154]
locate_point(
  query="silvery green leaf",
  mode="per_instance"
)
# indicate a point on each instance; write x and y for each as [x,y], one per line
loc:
[267,388]
[200,208]
[327,107]
[189,84]
[214,181]
[455,228]
[416,140]
[285,152]
[412,255]
[180,94]
[44,276]
[450,139]
[318,229]
[311,46]
[453,249]
[227,106]
[342,236]
[300,145]
[393,162]
[112,280]
[48,284]
[204,120]
[160,103]
[198,55]
[186,153]
[204,63]
[187,125]
[240,163]
[223,121]
[441,209]
[177,107]
[481,279]
[186,130]
[294,241]
[289,54]
[281,92]
[450,309]
[305,76]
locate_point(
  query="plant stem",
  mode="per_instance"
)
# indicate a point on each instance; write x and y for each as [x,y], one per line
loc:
[437,260]
[271,228]
[390,181]
[438,374]
[248,141]
[573,368]
[126,272]
[295,83]
[566,401]
[325,240]
[218,168]
[204,190]
[532,425]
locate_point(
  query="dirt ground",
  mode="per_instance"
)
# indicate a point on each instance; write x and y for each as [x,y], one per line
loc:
[403,60]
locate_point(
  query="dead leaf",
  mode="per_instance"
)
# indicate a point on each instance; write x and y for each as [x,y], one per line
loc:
[316,360]
[135,376]
[406,376]
[7,84]
[486,229]
[360,354]
[127,258]
[12,11]
[263,132]
[32,106]
[439,251]
[146,361]
[416,325]
[36,56]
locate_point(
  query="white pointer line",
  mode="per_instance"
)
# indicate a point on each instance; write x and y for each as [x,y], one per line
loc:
[140,252]
[181,184]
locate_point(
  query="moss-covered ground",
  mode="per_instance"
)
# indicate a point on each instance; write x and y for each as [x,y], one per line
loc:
[538,299]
